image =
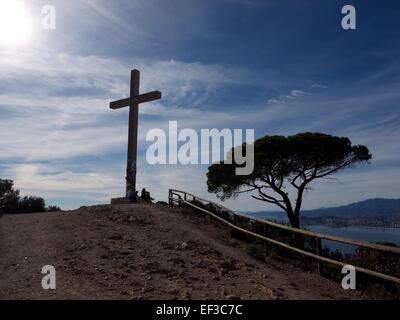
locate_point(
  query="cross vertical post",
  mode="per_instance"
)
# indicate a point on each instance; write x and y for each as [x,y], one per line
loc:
[133,134]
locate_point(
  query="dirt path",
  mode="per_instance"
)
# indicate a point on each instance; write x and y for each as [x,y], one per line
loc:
[141,252]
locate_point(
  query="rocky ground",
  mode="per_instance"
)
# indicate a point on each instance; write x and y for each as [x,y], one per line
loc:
[142,251]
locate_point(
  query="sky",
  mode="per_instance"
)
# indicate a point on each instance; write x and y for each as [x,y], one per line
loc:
[279,67]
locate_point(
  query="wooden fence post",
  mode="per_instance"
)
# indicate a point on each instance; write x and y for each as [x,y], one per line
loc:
[266,249]
[319,252]
[234,231]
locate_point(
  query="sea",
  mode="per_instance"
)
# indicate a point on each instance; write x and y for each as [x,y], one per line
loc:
[367,234]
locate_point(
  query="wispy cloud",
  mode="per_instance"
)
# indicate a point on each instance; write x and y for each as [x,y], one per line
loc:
[297,93]
[318,86]
[282,99]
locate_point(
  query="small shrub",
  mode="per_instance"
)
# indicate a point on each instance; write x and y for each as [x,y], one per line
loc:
[53,208]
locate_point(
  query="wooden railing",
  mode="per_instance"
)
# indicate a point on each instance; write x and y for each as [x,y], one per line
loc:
[184,198]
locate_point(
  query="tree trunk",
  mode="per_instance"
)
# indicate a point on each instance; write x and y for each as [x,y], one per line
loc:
[294,220]
[295,223]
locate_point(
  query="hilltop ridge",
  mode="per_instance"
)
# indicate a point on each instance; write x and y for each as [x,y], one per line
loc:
[142,251]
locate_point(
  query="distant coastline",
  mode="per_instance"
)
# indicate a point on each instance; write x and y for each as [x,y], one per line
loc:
[334,222]
[342,222]
[371,213]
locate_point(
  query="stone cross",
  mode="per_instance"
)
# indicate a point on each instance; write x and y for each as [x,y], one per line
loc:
[133,103]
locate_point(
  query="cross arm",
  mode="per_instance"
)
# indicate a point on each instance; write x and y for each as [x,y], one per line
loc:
[120,103]
[146,97]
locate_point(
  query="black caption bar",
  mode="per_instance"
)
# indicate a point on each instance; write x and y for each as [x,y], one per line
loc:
[195,309]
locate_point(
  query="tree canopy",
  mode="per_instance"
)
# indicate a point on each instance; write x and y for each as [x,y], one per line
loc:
[9,197]
[282,162]
[11,202]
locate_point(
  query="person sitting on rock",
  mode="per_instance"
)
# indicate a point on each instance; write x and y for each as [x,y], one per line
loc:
[149,198]
[146,196]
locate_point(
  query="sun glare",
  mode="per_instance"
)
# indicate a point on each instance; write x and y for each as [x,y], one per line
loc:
[15,23]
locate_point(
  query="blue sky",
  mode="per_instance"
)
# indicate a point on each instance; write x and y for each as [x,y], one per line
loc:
[280,67]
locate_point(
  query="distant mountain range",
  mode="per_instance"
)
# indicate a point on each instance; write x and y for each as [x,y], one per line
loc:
[389,208]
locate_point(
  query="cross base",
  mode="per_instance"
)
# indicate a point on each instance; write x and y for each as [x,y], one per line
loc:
[124,200]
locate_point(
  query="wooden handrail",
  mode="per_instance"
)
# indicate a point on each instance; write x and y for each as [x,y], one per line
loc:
[357,243]
[286,246]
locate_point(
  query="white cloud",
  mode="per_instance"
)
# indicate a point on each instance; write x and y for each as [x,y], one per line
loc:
[46,181]
[297,93]
[318,86]
[287,98]
[274,101]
